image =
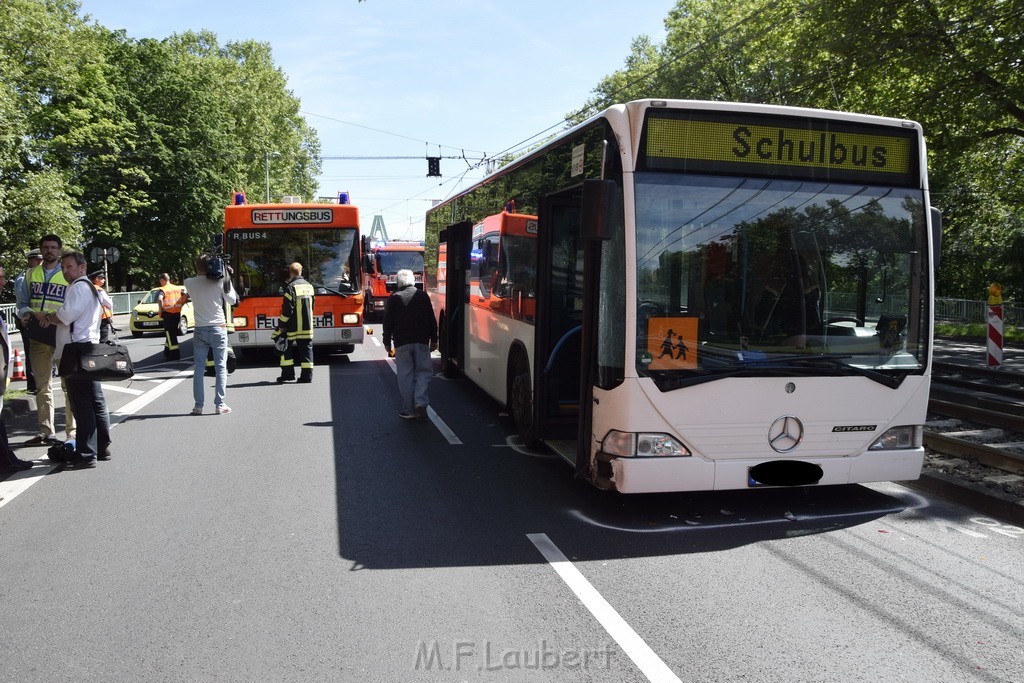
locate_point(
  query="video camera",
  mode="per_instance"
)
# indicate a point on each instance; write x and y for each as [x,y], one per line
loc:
[215,265]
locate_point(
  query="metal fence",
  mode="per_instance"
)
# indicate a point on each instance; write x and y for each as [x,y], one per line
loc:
[971,311]
[124,302]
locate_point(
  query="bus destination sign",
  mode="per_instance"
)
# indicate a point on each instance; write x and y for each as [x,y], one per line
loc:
[278,216]
[801,148]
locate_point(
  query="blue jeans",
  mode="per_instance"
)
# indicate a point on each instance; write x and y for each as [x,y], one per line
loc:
[415,368]
[205,339]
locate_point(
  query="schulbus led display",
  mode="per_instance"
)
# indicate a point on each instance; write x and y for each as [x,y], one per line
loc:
[795,147]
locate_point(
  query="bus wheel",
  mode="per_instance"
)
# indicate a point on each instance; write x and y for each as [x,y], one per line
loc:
[522,404]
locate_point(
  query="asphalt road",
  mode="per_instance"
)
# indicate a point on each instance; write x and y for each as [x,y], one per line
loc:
[313,535]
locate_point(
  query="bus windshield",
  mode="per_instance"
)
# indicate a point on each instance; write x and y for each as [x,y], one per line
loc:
[390,262]
[329,257]
[750,275]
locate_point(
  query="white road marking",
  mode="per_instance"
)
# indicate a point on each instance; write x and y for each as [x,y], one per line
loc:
[631,643]
[445,430]
[117,388]
[19,482]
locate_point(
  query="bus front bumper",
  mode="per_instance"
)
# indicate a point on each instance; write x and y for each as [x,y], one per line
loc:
[668,474]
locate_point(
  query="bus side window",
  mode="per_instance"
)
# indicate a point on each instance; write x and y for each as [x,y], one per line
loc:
[488,263]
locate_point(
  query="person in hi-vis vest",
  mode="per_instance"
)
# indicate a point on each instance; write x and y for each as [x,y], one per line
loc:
[171,300]
[296,322]
[46,289]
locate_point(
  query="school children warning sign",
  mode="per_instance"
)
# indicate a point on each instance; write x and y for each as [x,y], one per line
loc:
[672,343]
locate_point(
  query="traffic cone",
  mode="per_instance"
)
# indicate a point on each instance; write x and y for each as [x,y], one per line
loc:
[19,366]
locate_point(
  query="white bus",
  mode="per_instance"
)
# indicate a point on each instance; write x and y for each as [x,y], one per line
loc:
[701,295]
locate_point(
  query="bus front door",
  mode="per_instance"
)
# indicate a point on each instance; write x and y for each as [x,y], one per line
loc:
[560,310]
[452,332]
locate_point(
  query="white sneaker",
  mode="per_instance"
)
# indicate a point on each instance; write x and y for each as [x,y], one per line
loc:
[223,410]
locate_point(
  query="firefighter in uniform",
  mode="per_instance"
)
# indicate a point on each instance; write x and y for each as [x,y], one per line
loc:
[296,322]
[170,299]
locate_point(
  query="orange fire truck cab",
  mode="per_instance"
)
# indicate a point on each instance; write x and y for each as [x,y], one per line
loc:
[382,261]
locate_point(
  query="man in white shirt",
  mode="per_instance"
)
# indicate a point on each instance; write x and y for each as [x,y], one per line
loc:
[79,321]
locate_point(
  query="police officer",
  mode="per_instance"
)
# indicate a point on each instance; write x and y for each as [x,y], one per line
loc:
[296,322]
[99,281]
[46,288]
[170,299]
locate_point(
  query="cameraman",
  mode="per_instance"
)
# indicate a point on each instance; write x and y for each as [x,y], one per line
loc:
[209,291]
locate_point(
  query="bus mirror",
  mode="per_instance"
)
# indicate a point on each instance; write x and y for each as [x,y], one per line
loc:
[368,263]
[936,236]
[597,199]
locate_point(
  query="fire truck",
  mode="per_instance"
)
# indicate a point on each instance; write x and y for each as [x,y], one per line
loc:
[382,261]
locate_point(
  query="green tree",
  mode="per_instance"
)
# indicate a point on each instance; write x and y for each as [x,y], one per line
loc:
[952,65]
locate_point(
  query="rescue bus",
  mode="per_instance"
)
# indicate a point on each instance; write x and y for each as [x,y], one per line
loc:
[262,240]
[706,295]
[382,261]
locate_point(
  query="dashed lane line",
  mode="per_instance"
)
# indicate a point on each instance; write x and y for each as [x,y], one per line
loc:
[631,643]
[445,430]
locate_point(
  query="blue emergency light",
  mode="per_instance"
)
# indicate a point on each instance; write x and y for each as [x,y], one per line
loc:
[239,198]
[343,198]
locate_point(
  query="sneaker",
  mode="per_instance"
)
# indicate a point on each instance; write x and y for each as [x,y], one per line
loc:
[196,411]
[407,415]
[104,454]
[37,440]
[421,412]
[223,410]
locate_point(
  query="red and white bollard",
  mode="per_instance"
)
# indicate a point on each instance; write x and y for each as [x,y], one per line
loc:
[995,325]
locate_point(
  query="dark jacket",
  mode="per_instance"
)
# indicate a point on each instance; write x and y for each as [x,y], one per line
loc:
[409,318]
[297,309]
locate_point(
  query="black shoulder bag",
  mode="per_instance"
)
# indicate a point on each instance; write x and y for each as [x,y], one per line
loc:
[101,362]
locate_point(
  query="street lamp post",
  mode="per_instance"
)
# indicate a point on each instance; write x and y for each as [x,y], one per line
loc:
[267,156]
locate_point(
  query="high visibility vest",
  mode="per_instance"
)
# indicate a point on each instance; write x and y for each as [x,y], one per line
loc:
[46,294]
[297,310]
[108,312]
[172,298]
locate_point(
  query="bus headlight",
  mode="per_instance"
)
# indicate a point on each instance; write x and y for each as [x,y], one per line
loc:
[908,436]
[239,321]
[350,319]
[643,444]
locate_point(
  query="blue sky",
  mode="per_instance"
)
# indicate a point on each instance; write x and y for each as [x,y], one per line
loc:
[416,77]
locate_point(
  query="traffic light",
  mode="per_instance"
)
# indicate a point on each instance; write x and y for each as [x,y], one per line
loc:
[433,167]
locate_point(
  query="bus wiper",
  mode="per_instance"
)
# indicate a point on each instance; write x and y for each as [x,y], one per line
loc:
[333,291]
[833,361]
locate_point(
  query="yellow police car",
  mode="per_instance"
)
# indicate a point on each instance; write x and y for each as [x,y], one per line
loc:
[146,316]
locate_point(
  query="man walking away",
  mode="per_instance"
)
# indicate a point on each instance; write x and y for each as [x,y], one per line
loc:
[209,296]
[409,322]
[296,323]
